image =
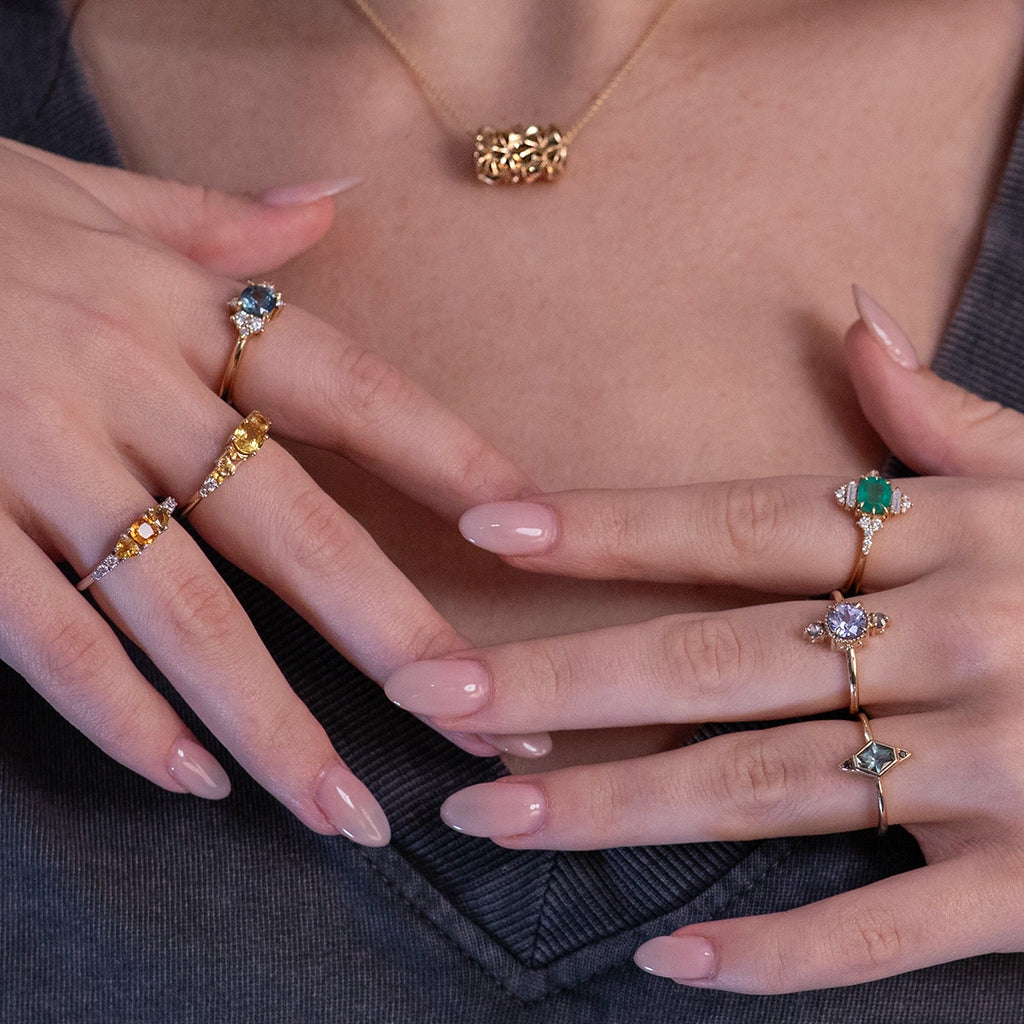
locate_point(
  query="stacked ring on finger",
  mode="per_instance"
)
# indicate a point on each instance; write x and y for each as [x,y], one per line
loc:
[875,759]
[871,500]
[847,625]
[245,443]
[251,311]
[134,540]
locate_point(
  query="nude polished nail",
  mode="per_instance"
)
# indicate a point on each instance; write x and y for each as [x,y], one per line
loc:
[198,770]
[495,809]
[453,687]
[885,330]
[529,745]
[351,808]
[680,957]
[510,527]
[308,192]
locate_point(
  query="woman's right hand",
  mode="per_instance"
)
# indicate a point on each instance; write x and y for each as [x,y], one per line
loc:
[113,336]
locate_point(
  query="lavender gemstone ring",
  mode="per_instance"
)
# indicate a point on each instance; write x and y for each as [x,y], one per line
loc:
[846,626]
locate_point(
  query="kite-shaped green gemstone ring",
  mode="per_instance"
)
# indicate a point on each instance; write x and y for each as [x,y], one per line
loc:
[875,759]
[871,500]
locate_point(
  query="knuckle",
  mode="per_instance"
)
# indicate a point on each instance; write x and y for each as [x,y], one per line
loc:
[706,652]
[428,640]
[871,938]
[201,613]
[477,465]
[756,782]
[610,798]
[371,389]
[317,535]
[751,515]
[617,531]
[75,653]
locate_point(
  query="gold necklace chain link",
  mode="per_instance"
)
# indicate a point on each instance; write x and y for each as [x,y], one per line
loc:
[518,154]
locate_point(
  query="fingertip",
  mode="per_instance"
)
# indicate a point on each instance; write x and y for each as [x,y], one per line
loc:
[683,958]
[351,808]
[197,771]
[511,527]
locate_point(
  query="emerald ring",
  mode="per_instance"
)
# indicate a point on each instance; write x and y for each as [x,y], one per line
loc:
[871,500]
[846,626]
[875,759]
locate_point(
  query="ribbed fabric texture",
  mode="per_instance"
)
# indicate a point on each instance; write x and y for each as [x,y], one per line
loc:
[123,903]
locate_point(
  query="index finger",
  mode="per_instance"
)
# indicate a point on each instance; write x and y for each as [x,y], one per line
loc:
[778,535]
[322,388]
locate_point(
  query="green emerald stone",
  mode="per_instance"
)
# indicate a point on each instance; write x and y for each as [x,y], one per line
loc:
[874,495]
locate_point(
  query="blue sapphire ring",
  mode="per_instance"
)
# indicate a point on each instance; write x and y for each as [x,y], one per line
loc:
[846,626]
[251,311]
[875,759]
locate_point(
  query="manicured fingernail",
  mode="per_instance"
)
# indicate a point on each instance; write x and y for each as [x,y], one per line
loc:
[885,330]
[351,808]
[510,527]
[495,809]
[439,687]
[681,957]
[308,192]
[536,744]
[198,770]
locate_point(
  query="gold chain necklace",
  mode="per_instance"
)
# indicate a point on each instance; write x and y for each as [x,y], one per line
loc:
[521,154]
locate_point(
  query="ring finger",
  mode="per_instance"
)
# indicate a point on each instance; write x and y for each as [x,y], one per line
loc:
[781,781]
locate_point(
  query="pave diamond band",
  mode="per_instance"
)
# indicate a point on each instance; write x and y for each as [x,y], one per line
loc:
[245,443]
[875,759]
[251,311]
[871,500]
[134,540]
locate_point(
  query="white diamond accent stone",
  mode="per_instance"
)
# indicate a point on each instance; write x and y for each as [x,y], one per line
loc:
[209,486]
[101,570]
[247,324]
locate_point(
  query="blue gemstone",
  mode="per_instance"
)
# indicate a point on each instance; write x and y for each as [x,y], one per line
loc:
[257,300]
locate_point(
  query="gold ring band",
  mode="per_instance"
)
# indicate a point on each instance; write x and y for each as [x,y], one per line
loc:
[245,442]
[846,626]
[133,541]
[871,500]
[875,759]
[251,311]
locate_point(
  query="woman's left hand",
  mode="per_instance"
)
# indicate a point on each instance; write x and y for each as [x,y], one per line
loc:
[942,683]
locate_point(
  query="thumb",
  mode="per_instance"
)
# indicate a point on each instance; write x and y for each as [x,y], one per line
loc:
[228,234]
[932,426]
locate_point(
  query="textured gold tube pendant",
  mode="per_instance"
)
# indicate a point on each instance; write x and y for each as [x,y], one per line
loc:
[519,155]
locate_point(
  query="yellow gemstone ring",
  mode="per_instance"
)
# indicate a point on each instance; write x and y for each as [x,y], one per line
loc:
[134,540]
[250,313]
[245,442]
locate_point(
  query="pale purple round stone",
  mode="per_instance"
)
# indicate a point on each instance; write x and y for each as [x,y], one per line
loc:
[846,622]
